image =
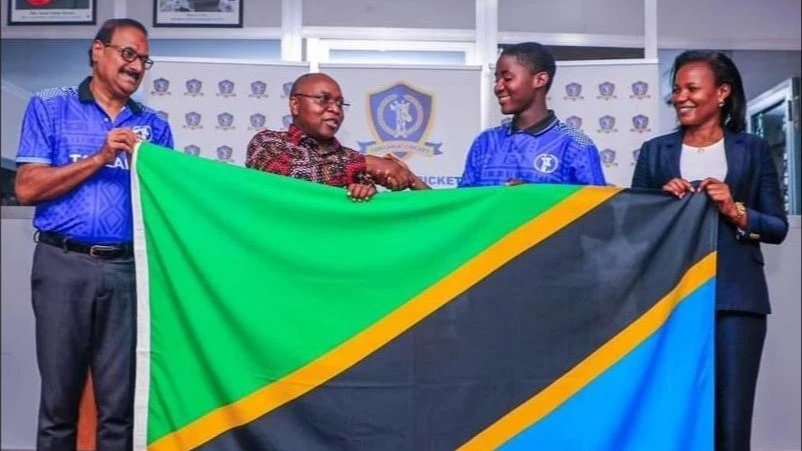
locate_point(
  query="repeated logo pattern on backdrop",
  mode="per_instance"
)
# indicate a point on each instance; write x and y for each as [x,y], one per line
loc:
[426,116]
[613,103]
[214,108]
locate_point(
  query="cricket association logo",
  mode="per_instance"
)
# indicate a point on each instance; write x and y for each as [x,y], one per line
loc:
[286,88]
[194,88]
[607,124]
[607,157]
[225,153]
[400,120]
[640,124]
[573,91]
[635,155]
[258,89]
[192,149]
[161,87]
[257,122]
[225,88]
[574,122]
[606,91]
[640,90]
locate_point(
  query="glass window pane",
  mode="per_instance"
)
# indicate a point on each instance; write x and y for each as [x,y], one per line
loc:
[259,49]
[412,57]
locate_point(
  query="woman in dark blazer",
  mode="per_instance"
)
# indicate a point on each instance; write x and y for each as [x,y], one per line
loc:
[711,153]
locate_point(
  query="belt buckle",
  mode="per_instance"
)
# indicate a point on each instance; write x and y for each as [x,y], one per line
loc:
[98,249]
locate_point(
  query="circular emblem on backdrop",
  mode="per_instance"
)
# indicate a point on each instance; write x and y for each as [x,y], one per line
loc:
[546,163]
[400,107]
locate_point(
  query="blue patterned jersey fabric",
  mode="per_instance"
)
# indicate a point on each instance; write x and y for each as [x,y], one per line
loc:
[64,125]
[554,153]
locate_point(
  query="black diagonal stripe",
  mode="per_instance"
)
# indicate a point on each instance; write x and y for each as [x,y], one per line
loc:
[502,341]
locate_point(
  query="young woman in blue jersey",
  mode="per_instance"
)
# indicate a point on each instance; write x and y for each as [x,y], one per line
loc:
[535,147]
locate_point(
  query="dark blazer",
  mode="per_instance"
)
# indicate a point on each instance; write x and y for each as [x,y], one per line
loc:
[752,178]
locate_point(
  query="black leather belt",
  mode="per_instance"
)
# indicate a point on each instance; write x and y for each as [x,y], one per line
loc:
[104,251]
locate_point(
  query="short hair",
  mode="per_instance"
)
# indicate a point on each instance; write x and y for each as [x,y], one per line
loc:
[533,56]
[106,31]
[733,113]
[303,78]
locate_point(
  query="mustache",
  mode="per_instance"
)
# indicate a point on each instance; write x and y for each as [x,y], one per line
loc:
[135,74]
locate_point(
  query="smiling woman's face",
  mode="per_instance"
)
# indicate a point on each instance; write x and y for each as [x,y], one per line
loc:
[696,97]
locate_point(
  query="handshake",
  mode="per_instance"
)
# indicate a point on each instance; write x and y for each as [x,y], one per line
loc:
[392,173]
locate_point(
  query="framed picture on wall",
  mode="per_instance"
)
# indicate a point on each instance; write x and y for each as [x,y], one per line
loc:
[52,12]
[197,13]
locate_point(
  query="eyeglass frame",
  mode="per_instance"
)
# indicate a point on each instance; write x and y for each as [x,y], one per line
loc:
[147,63]
[325,100]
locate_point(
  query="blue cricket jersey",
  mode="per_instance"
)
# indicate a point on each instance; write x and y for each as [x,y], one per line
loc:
[64,125]
[549,152]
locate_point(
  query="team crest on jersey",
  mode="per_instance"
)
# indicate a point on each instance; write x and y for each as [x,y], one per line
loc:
[574,122]
[257,122]
[225,121]
[606,91]
[546,163]
[635,155]
[161,87]
[225,88]
[258,89]
[400,120]
[640,90]
[607,124]
[193,120]
[143,132]
[193,87]
[286,121]
[224,154]
[192,149]
[286,88]
[640,124]
[608,157]
[573,91]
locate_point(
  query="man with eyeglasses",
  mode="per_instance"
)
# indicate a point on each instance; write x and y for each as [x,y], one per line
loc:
[309,151]
[74,165]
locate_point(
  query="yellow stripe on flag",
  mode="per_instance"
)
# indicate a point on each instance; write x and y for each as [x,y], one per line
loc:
[344,356]
[551,397]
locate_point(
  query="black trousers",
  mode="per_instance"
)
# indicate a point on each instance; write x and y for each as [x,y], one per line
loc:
[85,311]
[739,346]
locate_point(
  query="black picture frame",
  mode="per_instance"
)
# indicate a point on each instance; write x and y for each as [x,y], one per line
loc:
[52,12]
[198,13]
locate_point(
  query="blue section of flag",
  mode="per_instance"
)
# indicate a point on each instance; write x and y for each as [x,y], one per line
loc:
[659,397]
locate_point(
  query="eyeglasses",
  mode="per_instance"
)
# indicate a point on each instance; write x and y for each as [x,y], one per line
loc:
[325,101]
[130,55]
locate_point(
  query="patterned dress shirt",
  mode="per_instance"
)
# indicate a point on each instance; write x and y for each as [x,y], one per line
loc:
[295,154]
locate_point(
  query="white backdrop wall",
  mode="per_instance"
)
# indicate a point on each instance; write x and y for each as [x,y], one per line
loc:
[615,103]
[214,106]
[427,116]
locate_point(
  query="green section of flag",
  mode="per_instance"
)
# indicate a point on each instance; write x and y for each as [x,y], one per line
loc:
[254,275]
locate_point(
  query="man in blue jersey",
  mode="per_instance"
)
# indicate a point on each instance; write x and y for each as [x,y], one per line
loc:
[74,165]
[535,147]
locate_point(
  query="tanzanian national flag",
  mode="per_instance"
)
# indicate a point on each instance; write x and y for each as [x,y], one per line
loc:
[276,314]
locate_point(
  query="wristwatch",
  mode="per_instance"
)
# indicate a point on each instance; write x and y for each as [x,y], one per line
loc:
[740,210]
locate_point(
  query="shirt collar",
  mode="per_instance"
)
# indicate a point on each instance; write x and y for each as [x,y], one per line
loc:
[85,96]
[297,136]
[538,128]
